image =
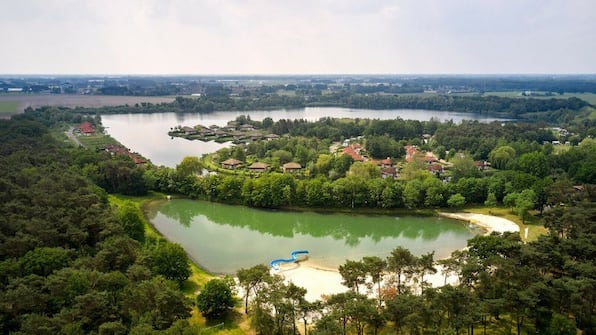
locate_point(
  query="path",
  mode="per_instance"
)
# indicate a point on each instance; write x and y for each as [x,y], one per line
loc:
[73,137]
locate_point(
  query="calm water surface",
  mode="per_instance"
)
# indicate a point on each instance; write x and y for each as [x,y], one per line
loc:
[147,134]
[223,239]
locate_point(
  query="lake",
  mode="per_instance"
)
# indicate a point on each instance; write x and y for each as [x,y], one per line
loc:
[147,134]
[222,238]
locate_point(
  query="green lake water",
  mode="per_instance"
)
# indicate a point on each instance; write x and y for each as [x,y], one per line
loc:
[223,239]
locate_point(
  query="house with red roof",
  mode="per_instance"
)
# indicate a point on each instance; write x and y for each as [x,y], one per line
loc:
[411,151]
[351,151]
[86,128]
[436,168]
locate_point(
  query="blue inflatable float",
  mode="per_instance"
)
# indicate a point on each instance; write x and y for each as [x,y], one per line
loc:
[275,263]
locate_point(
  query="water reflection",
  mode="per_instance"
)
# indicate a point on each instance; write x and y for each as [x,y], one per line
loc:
[350,228]
[224,238]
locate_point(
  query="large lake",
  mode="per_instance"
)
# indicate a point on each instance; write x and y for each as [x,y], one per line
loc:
[223,239]
[147,134]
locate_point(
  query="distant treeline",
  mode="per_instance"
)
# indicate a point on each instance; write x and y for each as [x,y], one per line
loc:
[491,105]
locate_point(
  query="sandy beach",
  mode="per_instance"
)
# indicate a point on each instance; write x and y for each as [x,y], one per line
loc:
[488,222]
[320,281]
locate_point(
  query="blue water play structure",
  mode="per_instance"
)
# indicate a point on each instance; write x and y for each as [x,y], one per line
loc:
[295,253]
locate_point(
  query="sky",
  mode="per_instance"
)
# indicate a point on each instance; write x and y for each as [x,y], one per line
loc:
[165,37]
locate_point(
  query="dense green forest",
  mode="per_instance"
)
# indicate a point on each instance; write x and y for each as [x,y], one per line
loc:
[69,262]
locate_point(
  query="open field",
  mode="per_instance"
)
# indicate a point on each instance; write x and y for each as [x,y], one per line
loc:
[13,104]
[589,97]
[8,107]
[97,141]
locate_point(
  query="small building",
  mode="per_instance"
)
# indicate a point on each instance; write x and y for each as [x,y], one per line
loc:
[86,128]
[389,172]
[482,165]
[231,163]
[436,168]
[350,151]
[270,137]
[258,167]
[386,162]
[430,158]
[137,159]
[247,127]
[188,130]
[291,167]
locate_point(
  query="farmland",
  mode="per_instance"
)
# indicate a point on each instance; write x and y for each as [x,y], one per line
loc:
[13,104]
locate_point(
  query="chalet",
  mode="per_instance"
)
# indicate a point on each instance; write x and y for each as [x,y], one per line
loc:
[219,132]
[430,158]
[386,162]
[291,167]
[86,128]
[258,167]
[114,149]
[231,163]
[436,168]
[389,172]
[255,136]
[188,130]
[350,151]
[205,131]
[137,159]
[247,127]
[482,165]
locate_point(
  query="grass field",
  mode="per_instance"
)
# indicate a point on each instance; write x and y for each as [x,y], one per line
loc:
[99,141]
[589,97]
[535,228]
[8,107]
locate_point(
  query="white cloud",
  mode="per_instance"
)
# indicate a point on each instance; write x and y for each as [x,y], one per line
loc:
[308,36]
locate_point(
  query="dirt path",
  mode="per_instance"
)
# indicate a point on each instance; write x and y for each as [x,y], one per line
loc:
[69,133]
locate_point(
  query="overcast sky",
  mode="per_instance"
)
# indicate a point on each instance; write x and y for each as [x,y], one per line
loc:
[297,36]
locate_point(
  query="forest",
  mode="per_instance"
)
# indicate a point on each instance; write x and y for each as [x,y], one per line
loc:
[71,262]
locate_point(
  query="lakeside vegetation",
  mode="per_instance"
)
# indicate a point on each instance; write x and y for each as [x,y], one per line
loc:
[545,286]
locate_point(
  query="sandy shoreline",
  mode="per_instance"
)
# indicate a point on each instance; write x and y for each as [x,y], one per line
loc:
[320,281]
[488,222]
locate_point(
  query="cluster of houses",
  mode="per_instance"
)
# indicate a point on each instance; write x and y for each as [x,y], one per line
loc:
[230,132]
[356,152]
[259,167]
[115,149]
